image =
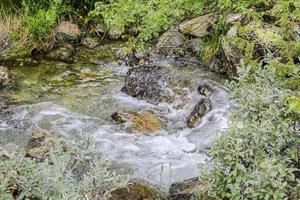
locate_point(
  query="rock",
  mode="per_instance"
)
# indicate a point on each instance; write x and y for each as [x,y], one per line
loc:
[202,108]
[5,41]
[171,43]
[136,191]
[90,42]
[144,123]
[7,152]
[205,90]
[67,32]
[237,17]
[198,26]
[192,189]
[147,83]
[231,52]
[5,77]
[99,29]
[195,46]
[63,53]
[39,144]
[114,32]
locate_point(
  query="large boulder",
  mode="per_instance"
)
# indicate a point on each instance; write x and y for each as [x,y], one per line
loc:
[147,83]
[199,26]
[67,32]
[145,122]
[297,32]
[5,77]
[171,43]
[62,53]
[201,109]
[192,189]
[39,144]
[136,191]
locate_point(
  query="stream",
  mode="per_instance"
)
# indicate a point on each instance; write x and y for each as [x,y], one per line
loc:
[78,98]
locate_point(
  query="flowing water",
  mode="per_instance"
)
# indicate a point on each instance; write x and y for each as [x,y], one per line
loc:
[79,98]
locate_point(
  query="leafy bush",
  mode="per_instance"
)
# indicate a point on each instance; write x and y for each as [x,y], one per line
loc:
[149,18]
[70,172]
[257,158]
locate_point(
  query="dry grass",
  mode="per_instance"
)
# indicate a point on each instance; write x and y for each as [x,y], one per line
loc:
[13,35]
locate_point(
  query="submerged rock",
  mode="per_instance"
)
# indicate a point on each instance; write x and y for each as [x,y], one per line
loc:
[136,191]
[202,108]
[5,77]
[144,123]
[171,43]
[147,83]
[205,90]
[91,42]
[192,189]
[63,53]
[67,31]
[199,26]
[39,144]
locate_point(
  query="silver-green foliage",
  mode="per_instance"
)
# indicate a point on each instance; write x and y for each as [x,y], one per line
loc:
[70,172]
[257,157]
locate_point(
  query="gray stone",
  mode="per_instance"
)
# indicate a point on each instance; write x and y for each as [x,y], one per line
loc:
[5,77]
[195,46]
[63,53]
[198,26]
[147,83]
[91,42]
[67,32]
[237,17]
[171,43]
[201,109]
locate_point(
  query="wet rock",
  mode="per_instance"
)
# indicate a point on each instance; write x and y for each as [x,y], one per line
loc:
[7,152]
[201,109]
[39,144]
[199,26]
[171,43]
[145,122]
[136,191]
[5,77]
[205,90]
[67,31]
[191,189]
[5,41]
[147,83]
[220,65]
[195,46]
[90,42]
[63,53]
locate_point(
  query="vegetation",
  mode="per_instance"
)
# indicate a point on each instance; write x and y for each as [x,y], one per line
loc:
[70,172]
[257,158]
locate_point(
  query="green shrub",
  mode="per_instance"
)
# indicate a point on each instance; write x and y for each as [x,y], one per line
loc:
[70,172]
[257,158]
[149,18]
